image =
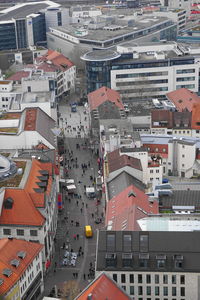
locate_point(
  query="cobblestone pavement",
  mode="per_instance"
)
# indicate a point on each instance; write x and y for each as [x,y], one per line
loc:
[82,210]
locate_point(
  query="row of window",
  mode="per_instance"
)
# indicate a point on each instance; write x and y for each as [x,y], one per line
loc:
[20,232]
[149,278]
[186,86]
[157,291]
[152,171]
[136,75]
[142,82]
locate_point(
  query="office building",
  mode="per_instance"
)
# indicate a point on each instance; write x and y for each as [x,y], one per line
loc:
[151,265]
[23,25]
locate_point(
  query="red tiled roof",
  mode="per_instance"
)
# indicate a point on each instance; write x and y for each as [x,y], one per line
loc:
[117,161]
[196,117]
[103,288]
[8,251]
[30,119]
[183,99]
[23,211]
[102,95]
[158,116]
[58,61]
[127,207]
[19,75]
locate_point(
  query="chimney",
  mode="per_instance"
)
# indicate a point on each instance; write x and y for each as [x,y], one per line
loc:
[89,297]
[10,238]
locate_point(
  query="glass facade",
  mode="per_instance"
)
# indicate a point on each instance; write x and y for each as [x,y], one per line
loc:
[21,34]
[98,74]
[7,36]
[39,29]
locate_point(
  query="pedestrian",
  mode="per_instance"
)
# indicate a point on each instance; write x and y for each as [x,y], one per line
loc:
[86,205]
[74,275]
[69,200]
[88,275]
[72,222]
[77,236]
[92,215]
[84,276]
[81,210]
[64,245]
[77,202]
[55,264]
[54,270]
[82,253]
[74,236]
[90,264]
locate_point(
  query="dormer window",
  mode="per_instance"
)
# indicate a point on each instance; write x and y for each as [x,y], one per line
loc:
[161,260]
[178,261]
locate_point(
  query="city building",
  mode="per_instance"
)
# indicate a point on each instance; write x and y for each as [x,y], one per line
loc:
[135,162]
[107,31]
[178,4]
[21,269]
[29,204]
[56,16]
[151,264]
[149,70]
[125,209]
[26,129]
[104,103]
[103,286]
[61,67]
[179,156]
[23,25]
[81,13]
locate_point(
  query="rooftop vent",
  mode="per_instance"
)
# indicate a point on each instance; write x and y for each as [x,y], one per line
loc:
[21,254]
[8,203]
[7,272]
[89,297]
[131,193]
[14,263]
[1,281]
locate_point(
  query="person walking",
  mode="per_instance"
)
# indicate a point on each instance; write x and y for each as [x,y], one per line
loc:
[77,236]
[84,276]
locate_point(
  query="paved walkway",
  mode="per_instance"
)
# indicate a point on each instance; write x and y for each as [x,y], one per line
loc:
[82,210]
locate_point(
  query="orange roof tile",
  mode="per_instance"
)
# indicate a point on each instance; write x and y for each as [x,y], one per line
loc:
[102,95]
[103,287]
[30,119]
[196,117]
[23,211]
[127,207]
[183,99]
[19,75]
[8,251]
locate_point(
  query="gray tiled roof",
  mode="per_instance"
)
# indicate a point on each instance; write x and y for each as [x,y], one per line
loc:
[44,125]
[122,181]
[181,198]
[169,244]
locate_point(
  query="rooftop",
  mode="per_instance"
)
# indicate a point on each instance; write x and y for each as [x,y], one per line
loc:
[108,33]
[9,251]
[177,255]
[100,55]
[183,99]
[101,288]
[103,94]
[181,198]
[38,97]
[116,161]
[22,10]
[19,75]
[124,209]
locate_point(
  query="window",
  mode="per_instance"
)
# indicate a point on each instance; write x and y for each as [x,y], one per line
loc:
[148,278]
[165,279]
[111,259]
[139,278]
[131,278]
[127,242]
[131,290]
[144,241]
[173,279]
[115,277]
[160,263]
[165,291]
[182,291]
[151,171]
[7,231]
[157,171]
[140,290]
[183,165]
[111,242]
[157,290]
[156,279]
[20,232]
[33,232]
[148,290]
[183,155]
[123,278]
[127,259]
[182,279]
[173,291]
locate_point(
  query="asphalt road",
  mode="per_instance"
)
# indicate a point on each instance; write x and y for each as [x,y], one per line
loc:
[77,210]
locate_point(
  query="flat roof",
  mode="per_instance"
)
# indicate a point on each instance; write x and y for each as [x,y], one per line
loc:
[103,35]
[37,97]
[164,139]
[23,10]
